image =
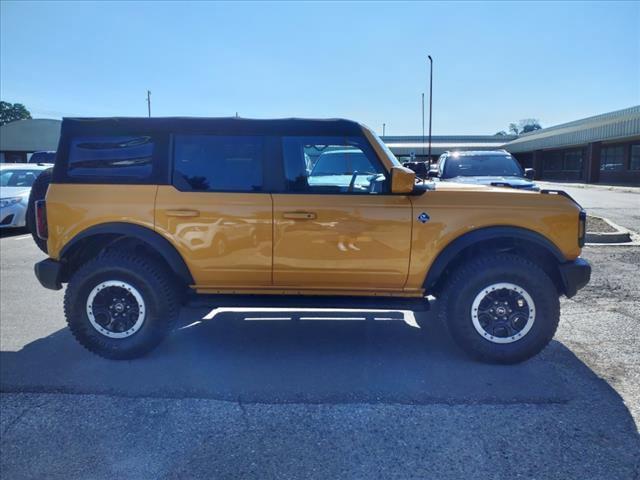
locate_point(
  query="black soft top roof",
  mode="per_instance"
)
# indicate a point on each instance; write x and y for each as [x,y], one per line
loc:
[219,126]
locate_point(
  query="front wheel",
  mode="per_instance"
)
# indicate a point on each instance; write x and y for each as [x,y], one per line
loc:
[501,308]
[121,306]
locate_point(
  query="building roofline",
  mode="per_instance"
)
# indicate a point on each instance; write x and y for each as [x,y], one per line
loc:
[604,127]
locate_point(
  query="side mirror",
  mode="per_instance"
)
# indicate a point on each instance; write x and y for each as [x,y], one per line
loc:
[403,180]
[433,171]
[530,173]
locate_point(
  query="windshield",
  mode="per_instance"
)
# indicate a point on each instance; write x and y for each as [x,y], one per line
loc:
[341,163]
[384,147]
[481,165]
[18,178]
[43,157]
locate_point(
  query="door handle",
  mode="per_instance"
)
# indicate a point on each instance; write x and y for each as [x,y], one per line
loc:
[182,213]
[299,215]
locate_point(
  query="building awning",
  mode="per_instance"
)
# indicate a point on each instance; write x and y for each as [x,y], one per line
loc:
[600,128]
[404,146]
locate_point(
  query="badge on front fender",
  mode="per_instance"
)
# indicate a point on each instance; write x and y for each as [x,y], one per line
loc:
[423,217]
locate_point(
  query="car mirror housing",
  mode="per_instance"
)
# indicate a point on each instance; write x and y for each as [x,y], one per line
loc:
[403,180]
[530,173]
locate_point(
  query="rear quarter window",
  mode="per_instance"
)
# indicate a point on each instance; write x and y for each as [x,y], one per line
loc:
[127,157]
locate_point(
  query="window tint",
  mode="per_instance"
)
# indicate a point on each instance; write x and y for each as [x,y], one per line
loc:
[573,161]
[18,178]
[612,158]
[129,157]
[218,163]
[635,157]
[481,165]
[553,161]
[43,157]
[331,165]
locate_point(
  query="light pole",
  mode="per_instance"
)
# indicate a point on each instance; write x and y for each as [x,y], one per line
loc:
[423,125]
[149,102]
[384,127]
[430,102]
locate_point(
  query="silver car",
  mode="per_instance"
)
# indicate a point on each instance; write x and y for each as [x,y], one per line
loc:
[15,185]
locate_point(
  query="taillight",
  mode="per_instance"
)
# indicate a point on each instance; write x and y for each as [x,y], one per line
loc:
[42,229]
[582,227]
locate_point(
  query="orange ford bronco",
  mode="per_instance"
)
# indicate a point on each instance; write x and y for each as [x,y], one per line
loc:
[140,215]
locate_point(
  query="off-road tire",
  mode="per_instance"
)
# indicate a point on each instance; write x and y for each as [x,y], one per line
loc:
[468,281]
[38,192]
[156,285]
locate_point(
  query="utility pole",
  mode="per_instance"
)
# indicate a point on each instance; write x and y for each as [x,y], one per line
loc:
[384,127]
[149,102]
[430,102]
[423,142]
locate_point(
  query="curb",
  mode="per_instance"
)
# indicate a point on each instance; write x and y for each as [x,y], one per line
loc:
[620,236]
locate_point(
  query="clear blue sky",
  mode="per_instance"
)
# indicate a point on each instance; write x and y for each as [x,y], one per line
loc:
[494,62]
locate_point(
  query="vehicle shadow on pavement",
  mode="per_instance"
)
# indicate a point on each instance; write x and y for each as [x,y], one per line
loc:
[341,357]
[355,375]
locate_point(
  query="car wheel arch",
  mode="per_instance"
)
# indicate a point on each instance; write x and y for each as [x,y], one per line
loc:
[94,239]
[494,239]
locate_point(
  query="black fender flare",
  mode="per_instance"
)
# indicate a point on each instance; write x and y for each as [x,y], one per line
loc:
[449,253]
[145,235]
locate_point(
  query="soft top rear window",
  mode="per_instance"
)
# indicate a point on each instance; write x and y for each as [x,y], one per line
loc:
[111,156]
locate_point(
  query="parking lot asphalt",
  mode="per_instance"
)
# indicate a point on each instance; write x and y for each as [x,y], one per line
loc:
[349,396]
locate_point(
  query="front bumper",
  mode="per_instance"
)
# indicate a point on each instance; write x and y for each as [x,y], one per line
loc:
[48,272]
[13,216]
[574,276]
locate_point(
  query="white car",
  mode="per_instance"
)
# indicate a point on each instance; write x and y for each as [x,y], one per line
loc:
[15,185]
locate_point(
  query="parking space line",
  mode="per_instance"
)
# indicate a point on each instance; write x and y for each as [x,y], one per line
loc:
[267,318]
[332,318]
[408,316]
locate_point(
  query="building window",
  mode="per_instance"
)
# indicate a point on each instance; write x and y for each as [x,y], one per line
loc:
[635,157]
[573,161]
[553,162]
[612,159]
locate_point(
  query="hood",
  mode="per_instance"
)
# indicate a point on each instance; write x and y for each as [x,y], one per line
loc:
[8,192]
[497,181]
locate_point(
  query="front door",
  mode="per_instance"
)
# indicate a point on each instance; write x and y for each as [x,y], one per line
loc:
[337,227]
[216,212]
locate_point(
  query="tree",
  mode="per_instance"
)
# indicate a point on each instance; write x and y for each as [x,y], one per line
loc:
[10,112]
[529,125]
[524,126]
[501,133]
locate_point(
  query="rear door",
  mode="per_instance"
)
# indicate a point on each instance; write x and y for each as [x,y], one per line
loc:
[216,212]
[337,227]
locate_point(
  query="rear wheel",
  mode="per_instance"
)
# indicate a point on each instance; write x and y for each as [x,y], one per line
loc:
[501,308]
[38,192]
[120,305]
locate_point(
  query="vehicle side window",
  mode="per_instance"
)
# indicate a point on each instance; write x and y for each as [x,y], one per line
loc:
[210,163]
[331,165]
[111,156]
